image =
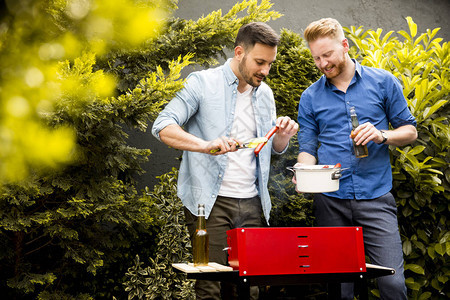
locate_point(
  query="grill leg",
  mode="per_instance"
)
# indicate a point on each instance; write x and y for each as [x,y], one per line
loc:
[243,290]
[363,289]
[334,290]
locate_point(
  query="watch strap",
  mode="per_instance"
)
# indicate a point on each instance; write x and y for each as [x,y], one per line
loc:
[383,134]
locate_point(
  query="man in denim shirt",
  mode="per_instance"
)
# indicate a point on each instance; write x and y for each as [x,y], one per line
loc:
[219,108]
[364,197]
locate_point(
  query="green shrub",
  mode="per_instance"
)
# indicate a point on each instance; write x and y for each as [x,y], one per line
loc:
[60,229]
[159,280]
[421,170]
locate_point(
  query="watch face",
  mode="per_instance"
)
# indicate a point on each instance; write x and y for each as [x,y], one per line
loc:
[383,134]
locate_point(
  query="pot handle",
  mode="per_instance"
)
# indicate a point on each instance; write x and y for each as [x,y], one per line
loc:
[336,175]
[291,169]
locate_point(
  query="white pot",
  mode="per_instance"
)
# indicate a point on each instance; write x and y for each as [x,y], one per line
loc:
[317,178]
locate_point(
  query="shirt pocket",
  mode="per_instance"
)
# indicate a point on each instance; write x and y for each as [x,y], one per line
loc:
[212,113]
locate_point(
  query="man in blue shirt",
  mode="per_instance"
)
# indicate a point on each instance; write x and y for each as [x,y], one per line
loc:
[364,197]
[217,108]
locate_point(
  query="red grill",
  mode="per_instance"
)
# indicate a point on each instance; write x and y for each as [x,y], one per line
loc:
[296,250]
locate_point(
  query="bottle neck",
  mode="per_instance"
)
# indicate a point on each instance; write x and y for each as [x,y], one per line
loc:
[355,122]
[201,222]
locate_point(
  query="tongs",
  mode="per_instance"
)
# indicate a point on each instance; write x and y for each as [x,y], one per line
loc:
[250,144]
[257,143]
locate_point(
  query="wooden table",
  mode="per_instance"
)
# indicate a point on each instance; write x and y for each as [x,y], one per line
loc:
[216,272]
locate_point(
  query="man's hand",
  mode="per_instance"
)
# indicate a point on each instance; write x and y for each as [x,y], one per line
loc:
[286,129]
[221,146]
[365,133]
[400,136]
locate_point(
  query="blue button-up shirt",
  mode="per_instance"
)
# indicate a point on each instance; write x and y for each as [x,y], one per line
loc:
[324,119]
[205,107]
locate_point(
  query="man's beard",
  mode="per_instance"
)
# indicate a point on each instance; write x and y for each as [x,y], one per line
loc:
[339,68]
[246,75]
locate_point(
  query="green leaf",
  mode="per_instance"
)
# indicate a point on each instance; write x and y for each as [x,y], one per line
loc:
[416,150]
[431,110]
[407,247]
[426,295]
[415,268]
[440,249]
[411,284]
[436,284]
[431,252]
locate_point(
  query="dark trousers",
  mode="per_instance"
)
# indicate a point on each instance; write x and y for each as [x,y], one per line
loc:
[227,213]
[382,243]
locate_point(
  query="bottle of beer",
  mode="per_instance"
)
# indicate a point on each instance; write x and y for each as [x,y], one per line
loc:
[360,150]
[201,239]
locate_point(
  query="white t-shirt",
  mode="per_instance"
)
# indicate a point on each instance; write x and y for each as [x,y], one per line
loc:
[239,180]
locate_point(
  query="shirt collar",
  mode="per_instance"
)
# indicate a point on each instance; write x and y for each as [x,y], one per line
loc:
[357,68]
[229,74]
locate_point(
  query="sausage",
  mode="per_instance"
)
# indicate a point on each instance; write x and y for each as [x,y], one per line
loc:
[268,136]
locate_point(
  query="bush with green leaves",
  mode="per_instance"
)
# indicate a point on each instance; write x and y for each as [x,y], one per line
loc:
[58,230]
[421,170]
[159,280]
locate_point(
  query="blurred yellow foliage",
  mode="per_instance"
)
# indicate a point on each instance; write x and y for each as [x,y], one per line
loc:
[32,46]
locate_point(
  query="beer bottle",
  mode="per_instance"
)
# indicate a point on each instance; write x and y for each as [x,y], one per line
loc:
[360,150]
[201,239]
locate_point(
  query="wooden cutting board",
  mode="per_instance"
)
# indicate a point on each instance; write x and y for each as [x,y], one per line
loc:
[211,267]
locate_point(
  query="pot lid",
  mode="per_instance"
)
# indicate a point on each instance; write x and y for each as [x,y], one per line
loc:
[316,167]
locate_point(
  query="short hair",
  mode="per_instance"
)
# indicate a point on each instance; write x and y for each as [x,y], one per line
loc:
[256,32]
[326,27]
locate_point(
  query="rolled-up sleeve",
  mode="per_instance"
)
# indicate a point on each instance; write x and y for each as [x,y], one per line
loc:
[396,105]
[180,109]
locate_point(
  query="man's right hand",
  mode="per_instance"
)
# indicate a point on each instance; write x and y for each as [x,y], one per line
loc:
[221,146]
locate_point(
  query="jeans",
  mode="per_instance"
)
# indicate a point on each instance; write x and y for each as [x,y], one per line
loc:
[227,213]
[382,243]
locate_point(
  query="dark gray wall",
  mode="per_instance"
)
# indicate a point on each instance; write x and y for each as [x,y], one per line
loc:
[372,14]
[297,14]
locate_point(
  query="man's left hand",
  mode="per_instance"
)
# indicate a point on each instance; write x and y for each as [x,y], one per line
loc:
[286,129]
[365,133]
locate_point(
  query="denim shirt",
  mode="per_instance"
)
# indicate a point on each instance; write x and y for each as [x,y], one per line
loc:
[324,119]
[205,108]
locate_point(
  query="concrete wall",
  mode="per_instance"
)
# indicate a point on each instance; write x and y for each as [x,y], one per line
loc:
[372,14]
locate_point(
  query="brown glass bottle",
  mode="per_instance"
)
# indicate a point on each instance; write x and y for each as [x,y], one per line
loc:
[360,150]
[201,239]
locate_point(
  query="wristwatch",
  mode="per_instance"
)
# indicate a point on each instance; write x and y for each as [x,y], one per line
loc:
[384,136]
